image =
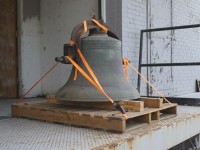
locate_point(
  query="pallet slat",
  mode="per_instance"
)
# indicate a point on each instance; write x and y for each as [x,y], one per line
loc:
[152,102]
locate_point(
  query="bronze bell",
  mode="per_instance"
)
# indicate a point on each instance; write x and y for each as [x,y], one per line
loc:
[103,54]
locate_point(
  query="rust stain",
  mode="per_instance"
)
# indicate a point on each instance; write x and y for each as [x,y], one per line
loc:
[112,146]
[130,144]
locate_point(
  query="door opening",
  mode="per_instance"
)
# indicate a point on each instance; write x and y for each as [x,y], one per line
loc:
[8,49]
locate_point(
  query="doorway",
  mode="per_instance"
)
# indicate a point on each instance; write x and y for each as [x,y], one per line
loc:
[8,49]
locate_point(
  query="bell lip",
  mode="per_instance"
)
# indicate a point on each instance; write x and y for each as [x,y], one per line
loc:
[96,99]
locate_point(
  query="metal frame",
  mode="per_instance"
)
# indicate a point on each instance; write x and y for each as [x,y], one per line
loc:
[198,85]
[161,64]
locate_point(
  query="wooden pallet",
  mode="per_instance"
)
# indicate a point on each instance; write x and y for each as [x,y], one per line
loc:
[145,110]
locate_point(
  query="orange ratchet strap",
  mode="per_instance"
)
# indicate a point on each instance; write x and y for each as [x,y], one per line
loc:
[93,81]
[85,26]
[75,72]
[126,62]
[125,59]
[95,84]
[100,25]
[72,42]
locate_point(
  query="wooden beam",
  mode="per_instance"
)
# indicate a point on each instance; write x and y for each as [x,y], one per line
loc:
[67,117]
[137,106]
[152,102]
[171,110]
[144,118]
[155,115]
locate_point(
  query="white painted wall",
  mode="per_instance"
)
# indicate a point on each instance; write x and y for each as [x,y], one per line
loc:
[29,48]
[160,46]
[134,18]
[41,39]
[58,18]
[186,45]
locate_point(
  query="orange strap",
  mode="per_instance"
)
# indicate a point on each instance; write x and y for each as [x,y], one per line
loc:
[75,74]
[83,73]
[92,81]
[71,42]
[100,25]
[126,62]
[148,82]
[85,25]
[89,68]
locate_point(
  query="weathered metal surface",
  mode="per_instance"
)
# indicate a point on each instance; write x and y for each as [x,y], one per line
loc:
[103,54]
[30,134]
[160,46]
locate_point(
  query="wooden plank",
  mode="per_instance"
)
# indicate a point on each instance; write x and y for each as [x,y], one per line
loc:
[70,118]
[152,102]
[155,115]
[51,97]
[171,110]
[132,105]
[149,110]
[144,118]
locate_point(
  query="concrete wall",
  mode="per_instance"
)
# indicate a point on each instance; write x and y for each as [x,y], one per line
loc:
[165,46]
[44,26]
[58,19]
[29,42]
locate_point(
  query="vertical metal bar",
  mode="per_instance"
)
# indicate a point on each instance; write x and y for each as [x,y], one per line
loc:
[103,10]
[99,9]
[140,59]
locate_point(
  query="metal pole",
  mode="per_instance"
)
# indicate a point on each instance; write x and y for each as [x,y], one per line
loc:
[171,64]
[140,60]
[172,28]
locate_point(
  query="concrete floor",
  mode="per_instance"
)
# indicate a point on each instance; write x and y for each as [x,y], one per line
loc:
[191,95]
[32,134]
[18,133]
[5,106]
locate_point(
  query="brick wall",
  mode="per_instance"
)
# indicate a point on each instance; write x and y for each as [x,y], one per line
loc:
[133,20]
[177,46]
[186,45]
